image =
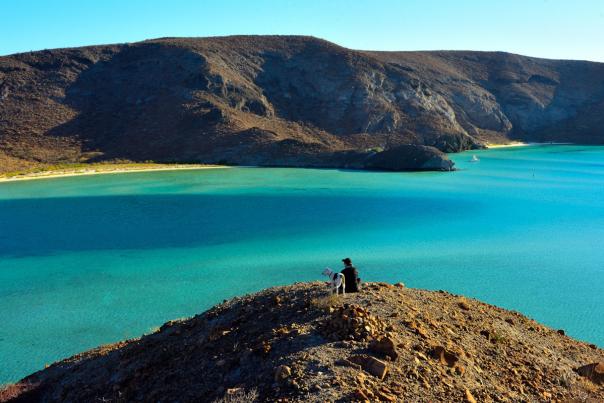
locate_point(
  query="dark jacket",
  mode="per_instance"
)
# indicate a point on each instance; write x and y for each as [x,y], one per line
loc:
[352,278]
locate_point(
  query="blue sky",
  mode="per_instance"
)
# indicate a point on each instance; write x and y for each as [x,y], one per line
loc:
[564,29]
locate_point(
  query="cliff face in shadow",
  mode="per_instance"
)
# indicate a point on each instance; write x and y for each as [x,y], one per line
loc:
[283,100]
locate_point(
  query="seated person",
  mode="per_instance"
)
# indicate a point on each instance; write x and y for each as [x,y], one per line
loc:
[351,275]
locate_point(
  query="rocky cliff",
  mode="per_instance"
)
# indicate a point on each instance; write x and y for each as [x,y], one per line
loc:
[296,344]
[283,100]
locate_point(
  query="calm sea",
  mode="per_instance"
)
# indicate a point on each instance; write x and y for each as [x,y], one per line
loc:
[92,260]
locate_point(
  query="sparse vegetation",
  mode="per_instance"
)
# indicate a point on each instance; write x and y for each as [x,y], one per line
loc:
[239,395]
[325,302]
[497,337]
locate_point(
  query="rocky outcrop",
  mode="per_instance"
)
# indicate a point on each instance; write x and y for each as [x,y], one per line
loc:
[300,344]
[410,157]
[594,372]
[283,101]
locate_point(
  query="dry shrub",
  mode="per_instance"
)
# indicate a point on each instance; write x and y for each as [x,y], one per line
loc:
[239,396]
[324,302]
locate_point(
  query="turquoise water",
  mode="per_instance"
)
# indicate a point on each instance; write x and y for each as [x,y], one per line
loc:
[92,260]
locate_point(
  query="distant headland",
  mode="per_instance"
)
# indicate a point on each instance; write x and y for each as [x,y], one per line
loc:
[285,101]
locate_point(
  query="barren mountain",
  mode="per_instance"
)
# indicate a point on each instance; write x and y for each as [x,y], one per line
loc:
[296,344]
[284,100]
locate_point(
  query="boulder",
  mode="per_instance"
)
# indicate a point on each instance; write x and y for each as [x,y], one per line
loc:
[360,395]
[282,372]
[375,367]
[445,356]
[594,372]
[385,346]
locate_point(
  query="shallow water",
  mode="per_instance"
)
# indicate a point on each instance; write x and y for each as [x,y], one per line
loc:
[92,260]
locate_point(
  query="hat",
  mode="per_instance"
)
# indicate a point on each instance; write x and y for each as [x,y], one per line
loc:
[347,260]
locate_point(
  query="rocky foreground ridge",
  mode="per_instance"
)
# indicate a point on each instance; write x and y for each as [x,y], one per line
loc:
[285,101]
[294,344]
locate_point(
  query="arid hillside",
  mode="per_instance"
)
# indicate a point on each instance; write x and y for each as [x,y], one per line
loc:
[284,100]
[296,344]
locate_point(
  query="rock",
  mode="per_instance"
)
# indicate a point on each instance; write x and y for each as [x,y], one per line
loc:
[399,285]
[469,397]
[375,367]
[561,332]
[385,346]
[410,157]
[421,355]
[360,395]
[353,322]
[594,372]
[282,372]
[464,305]
[234,391]
[419,329]
[346,363]
[4,92]
[386,397]
[444,356]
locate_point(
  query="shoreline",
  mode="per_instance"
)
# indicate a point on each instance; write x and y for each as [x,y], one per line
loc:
[523,144]
[116,168]
[512,144]
[103,169]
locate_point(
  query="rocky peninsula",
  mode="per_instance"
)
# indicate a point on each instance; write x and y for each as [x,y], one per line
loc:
[298,344]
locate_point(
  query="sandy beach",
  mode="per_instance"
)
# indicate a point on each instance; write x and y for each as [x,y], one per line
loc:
[102,169]
[512,144]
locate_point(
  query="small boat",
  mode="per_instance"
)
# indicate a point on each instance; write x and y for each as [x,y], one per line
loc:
[474,158]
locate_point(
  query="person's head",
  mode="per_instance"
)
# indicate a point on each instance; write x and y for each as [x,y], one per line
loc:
[347,261]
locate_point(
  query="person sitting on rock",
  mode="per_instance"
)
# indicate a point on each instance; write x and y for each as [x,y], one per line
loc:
[351,275]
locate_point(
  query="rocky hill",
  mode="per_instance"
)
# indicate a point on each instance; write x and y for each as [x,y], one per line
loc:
[285,100]
[296,344]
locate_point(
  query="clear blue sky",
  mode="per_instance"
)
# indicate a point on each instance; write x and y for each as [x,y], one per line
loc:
[565,29]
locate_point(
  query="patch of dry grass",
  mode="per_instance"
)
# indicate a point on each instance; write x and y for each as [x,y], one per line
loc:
[238,396]
[325,302]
